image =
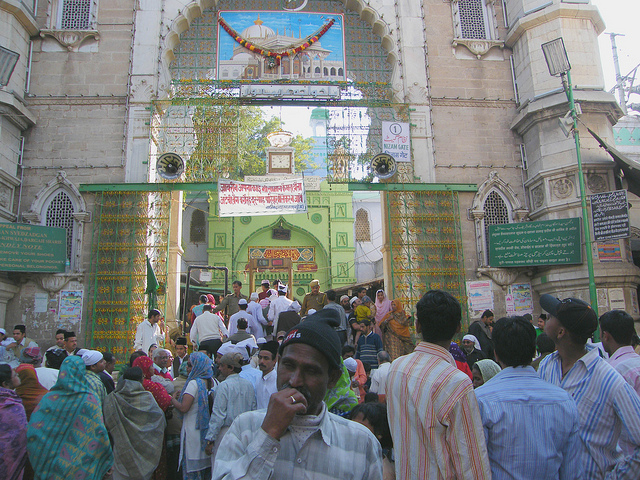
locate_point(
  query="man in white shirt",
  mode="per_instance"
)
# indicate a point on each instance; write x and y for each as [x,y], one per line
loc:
[279,305]
[256,328]
[208,331]
[618,334]
[379,375]
[242,313]
[266,363]
[149,331]
[19,343]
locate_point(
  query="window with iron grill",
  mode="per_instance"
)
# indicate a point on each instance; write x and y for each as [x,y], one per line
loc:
[60,214]
[75,15]
[197,232]
[472,19]
[495,213]
[363,229]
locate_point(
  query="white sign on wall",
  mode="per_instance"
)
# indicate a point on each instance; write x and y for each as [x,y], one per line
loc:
[396,140]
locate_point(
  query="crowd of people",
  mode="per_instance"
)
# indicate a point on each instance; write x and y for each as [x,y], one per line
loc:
[330,388]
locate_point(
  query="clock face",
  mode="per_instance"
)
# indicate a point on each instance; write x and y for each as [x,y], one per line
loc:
[279,160]
[383,165]
[170,166]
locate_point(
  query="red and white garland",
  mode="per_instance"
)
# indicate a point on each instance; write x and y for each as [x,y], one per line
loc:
[273,58]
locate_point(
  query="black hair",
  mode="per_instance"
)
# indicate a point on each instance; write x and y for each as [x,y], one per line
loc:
[68,335]
[543,316]
[439,315]
[331,295]
[348,349]
[544,344]
[133,373]
[376,413]
[366,366]
[237,282]
[60,331]
[371,397]
[358,290]
[243,306]
[242,323]
[514,340]
[22,328]
[203,299]
[366,323]
[620,326]
[136,354]
[153,312]
[487,314]
[5,374]
[108,357]
[207,308]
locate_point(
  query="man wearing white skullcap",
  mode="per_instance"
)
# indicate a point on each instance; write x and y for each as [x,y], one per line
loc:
[471,347]
[257,322]
[278,305]
[95,364]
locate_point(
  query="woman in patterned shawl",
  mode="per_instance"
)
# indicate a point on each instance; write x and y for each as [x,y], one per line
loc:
[395,331]
[158,391]
[13,427]
[66,436]
[341,399]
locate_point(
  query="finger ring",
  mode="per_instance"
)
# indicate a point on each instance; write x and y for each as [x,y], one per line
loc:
[293,400]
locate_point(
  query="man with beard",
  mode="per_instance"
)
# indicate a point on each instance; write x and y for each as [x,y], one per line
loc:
[266,363]
[297,437]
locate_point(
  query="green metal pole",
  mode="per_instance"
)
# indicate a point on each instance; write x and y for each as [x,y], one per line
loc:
[583,200]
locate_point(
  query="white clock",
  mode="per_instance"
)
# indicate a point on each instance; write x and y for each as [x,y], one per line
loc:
[279,160]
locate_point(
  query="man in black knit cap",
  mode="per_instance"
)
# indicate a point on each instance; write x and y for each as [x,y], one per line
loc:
[296,435]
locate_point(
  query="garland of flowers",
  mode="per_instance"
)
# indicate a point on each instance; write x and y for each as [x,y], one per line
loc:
[273,58]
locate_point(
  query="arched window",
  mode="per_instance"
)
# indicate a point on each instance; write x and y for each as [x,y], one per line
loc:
[495,203]
[197,231]
[59,213]
[333,71]
[340,72]
[317,70]
[363,228]
[495,213]
[325,71]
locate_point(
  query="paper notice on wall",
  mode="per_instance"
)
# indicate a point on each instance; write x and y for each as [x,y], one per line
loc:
[616,299]
[396,140]
[522,300]
[480,295]
[70,309]
[237,199]
[40,302]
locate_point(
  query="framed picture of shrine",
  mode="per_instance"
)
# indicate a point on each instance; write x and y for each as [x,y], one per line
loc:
[268,46]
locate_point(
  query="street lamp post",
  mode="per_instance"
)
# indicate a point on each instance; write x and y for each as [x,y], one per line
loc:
[558,63]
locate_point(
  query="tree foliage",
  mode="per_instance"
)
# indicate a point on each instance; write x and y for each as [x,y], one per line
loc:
[231,142]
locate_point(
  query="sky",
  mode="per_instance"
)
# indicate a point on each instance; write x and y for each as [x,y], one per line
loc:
[620,16]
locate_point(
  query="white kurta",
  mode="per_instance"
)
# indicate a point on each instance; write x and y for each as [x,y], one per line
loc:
[192,457]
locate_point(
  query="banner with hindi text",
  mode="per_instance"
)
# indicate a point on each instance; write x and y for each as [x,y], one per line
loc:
[238,199]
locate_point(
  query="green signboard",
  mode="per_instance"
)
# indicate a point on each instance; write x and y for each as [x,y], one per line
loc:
[32,248]
[549,242]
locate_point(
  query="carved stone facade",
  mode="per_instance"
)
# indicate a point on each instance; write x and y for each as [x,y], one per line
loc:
[80,101]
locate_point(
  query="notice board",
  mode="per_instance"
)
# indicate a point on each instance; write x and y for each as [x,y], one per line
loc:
[610,215]
[32,248]
[548,242]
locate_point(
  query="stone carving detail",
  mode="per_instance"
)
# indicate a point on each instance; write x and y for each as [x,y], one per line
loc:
[502,276]
[635,232]
[70,39]
[478,47]
[537,196]
[563,188]
[597,183]
[4,198]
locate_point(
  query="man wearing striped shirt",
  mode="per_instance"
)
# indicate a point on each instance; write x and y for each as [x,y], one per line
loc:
[531,426]
[433,412]
[606,403]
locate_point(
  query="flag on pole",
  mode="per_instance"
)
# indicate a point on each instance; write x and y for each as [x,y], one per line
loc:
[152,286]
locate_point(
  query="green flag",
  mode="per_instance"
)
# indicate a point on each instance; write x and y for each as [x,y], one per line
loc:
[152,286]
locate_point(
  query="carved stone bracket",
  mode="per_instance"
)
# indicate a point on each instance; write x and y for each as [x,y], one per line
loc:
[55,282]
[477,46]
[502,276]
[70,39]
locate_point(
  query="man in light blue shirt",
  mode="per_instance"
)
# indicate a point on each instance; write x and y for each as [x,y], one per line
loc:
[531,426]
[606,403]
